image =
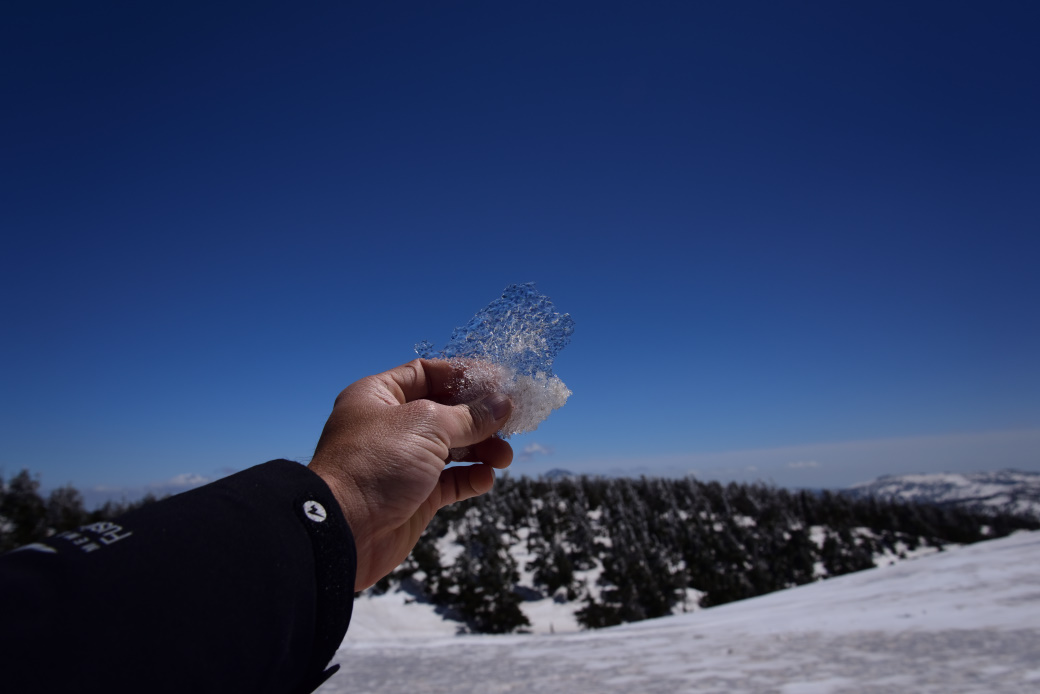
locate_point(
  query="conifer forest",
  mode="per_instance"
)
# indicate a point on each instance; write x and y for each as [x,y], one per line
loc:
[621,549]
[632,549]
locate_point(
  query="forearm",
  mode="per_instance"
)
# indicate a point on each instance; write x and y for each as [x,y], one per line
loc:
[242,585]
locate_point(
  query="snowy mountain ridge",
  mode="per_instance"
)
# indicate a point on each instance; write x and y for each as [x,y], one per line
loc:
[1008,491]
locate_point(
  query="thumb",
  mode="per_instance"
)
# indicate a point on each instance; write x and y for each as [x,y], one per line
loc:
[475,421]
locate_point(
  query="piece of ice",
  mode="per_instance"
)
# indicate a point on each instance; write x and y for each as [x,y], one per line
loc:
[512,342]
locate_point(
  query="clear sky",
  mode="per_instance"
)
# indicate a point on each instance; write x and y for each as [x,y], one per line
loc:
[799,239]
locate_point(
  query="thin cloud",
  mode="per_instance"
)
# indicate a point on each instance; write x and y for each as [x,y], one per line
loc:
[98,494]
[185,479]
[803,464]
[532,449]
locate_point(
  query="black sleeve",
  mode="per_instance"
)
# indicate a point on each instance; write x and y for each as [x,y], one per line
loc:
[243,585]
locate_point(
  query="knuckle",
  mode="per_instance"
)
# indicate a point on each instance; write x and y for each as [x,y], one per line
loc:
[424,409]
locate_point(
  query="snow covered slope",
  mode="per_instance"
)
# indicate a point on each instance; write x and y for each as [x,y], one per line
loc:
[963,620]
[1012,491]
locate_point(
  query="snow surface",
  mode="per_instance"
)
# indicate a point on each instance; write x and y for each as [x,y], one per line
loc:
[963,620]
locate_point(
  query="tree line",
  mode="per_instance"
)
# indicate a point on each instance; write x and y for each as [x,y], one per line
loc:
[620,549]
[631,549]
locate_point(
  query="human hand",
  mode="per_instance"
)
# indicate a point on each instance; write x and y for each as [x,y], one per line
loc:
[384,450]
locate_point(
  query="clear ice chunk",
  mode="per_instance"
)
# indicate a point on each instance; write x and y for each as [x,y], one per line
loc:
[514,341]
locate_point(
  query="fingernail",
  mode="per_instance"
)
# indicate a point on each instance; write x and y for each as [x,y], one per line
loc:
[498,404]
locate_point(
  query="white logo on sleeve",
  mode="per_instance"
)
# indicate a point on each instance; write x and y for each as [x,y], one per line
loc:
[314,511]
[36,547]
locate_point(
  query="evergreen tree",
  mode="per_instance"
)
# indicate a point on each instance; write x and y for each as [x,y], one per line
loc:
[23,512]
[65,509]
[482,581]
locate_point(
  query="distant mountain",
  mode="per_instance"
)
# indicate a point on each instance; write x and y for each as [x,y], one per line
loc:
[557,474]
[1006,491]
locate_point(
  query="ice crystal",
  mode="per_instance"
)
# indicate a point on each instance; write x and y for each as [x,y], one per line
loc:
[513,342]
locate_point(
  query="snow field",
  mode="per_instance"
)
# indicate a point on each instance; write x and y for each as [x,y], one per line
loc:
[964,620]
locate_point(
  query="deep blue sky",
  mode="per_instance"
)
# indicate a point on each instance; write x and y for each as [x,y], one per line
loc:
[800,240]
